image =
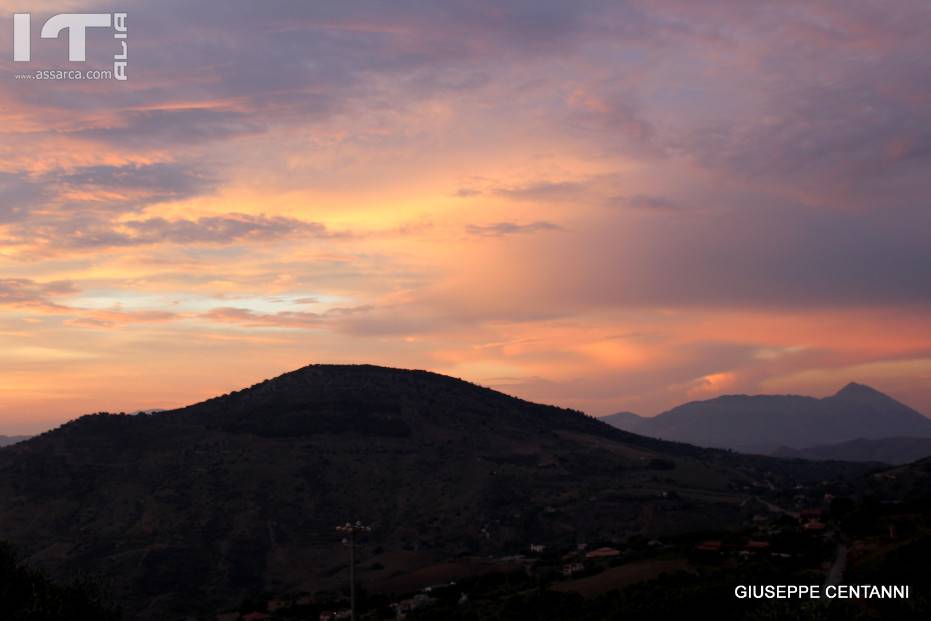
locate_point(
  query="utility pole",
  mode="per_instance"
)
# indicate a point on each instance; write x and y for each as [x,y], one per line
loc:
[351,529]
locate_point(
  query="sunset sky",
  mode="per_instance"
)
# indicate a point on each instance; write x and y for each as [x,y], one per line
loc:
[602,205]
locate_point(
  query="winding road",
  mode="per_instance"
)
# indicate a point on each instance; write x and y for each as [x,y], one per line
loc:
[840,564]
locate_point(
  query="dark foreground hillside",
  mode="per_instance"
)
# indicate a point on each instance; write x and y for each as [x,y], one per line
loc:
[881,535]
[186,512]
[28,595]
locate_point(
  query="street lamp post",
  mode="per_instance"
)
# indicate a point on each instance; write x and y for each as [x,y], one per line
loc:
[350,529]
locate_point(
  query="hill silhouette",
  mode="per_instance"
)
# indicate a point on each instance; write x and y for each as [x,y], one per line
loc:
[766,423]
[9,440]
[182,512]
[627,421]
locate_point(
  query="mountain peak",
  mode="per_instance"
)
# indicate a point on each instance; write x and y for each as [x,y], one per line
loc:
[371,401]
[764,422]
[854,389]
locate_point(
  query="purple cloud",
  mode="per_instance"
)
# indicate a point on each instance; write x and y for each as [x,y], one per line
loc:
[500,229]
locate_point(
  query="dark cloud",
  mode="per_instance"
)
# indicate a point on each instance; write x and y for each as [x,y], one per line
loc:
[19,195]
[840,134]
[618,121]
[224,229]
[283,319]
[23,292]
[646,202]
[66,197]
[151,183]
[164,127]
[543,191]
[88,232]
[243,316]
[500,229]
[105,318]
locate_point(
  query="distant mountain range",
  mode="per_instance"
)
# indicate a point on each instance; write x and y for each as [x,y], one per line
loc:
[768,423]
[8,440]
[183,512]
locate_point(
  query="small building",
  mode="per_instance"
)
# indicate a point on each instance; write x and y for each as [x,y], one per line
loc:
[406,606]
[814,525]
[537,548]
[603,553]
[709,546]
[570,569]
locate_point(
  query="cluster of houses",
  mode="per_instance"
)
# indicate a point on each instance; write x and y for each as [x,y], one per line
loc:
[715,546]
[578,560]
[275,605]
[809,521]
[407,606]
[575,562]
